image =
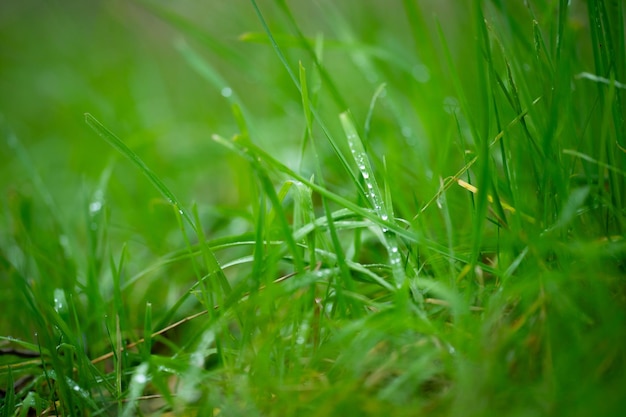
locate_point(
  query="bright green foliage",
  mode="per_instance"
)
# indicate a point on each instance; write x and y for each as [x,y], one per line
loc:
[313,208]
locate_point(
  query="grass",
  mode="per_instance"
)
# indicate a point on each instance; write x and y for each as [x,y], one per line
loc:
[313,209]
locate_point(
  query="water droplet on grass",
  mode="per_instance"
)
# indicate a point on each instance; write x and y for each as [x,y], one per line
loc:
[227,92]
[60,303]
[95,207]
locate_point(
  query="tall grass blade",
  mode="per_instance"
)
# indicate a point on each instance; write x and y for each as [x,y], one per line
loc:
[375,197]
[121,147]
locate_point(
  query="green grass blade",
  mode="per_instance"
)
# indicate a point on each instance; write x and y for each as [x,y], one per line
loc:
[9,396]
[135,389]
[375,197]
[121,147]
[147,331]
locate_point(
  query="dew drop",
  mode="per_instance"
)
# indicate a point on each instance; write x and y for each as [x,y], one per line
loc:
[95,207]
[59,300]
[366,176]
[384,217]
[227,92]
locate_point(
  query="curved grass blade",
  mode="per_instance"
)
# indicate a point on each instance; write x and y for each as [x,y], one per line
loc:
[121,147]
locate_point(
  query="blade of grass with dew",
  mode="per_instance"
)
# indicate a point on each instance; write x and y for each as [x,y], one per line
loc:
[147,332]
[137,384]
[246,153]
[119,146]
[251,152]
[374,195]
[341,258]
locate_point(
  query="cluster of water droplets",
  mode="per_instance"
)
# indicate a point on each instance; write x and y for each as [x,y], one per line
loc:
[176,206]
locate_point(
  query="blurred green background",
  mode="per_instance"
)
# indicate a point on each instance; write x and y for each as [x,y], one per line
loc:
[121,62]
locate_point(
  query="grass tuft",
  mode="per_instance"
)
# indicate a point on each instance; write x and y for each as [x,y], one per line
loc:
[400,209]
